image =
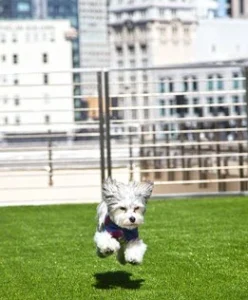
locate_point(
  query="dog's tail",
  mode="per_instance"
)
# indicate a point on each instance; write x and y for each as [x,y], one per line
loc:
[102,212]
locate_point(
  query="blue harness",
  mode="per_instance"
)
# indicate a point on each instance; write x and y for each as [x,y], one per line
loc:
[120,233]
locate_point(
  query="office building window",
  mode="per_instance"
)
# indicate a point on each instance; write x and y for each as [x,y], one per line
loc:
[196,107]
[134,113]
[237,108]
[15,59]
[47,119]
[23,7]
[120,64]
[17,120]
[172,109]
[241,7]
[15,80]
[194,83]
[162,86]
[119,50]
[210,83]
[17,101]
[235,81]
[220,83]
[132,63]
[45,79]
[220,100]
[162,108]
[185,84]
[143,48]
[131,49]
[210,101]
[45,58]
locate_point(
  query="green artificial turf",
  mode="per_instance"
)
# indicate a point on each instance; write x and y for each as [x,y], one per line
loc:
[197,249]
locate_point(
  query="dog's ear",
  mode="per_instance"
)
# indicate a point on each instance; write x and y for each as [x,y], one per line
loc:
[143,190]
[110,189]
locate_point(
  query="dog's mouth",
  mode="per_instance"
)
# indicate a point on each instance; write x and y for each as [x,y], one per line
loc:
[130,226]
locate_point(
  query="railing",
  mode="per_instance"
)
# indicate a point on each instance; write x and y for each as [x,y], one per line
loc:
[186,129]
[49,142]
[183,128]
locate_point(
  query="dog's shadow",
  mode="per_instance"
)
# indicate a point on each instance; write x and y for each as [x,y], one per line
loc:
[111,280]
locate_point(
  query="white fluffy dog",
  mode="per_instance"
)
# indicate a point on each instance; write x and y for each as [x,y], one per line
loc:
[119,215]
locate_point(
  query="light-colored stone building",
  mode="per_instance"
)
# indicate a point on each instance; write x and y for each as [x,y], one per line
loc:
[35,95]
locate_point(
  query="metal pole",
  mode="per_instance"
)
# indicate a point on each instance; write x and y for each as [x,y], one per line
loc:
[50,158]
[107,120]
[246,101]
[130,137]
[101,125]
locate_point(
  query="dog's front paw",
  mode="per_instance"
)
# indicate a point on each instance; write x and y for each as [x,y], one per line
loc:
[106,245]
[134,252]
[103,253]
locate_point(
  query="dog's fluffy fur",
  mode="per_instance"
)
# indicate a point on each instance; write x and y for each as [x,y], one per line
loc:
[124,205]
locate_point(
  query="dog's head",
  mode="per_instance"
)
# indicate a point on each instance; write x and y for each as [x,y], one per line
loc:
[126,202]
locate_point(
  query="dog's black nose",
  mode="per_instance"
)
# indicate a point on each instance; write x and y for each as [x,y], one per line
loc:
[132,219]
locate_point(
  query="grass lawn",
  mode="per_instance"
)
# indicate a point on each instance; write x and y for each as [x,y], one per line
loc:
[197,249]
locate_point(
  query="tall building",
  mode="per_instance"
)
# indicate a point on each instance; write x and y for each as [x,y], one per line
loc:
[30,95]
[223,8]
[145,35]
[50,9]
[157,35]
[239,8]
[94,43]
[16,9]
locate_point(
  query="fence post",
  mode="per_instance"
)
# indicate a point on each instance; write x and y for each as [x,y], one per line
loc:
[101,124]
[246,101]
[50,158]
[107,120]
[130,139]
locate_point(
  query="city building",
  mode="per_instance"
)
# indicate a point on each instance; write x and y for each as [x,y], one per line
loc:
[207,90]
[239,8]
[144,35]
[94,43]
[206,9]
[223,8]
[33,96]
[51,9]
[162,34]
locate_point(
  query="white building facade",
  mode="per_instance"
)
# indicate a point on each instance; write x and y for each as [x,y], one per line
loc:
[35,96]
[209,91]
[162,33]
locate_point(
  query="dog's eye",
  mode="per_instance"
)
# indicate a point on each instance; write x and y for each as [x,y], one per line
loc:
[136,208]
[123,208]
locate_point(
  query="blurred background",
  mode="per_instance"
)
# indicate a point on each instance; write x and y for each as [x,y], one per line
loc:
[131,89]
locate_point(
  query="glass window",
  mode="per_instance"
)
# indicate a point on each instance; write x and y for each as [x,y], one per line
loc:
[162,86]
[162,108]
[17,101]
[17,120]
[235,81]
[236,107]
[210,83]
[185,84]
[47,119]
[194,83]
[134,113]
[45,58]
[23,6]
[45,78]
[220,83]
[15,59]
